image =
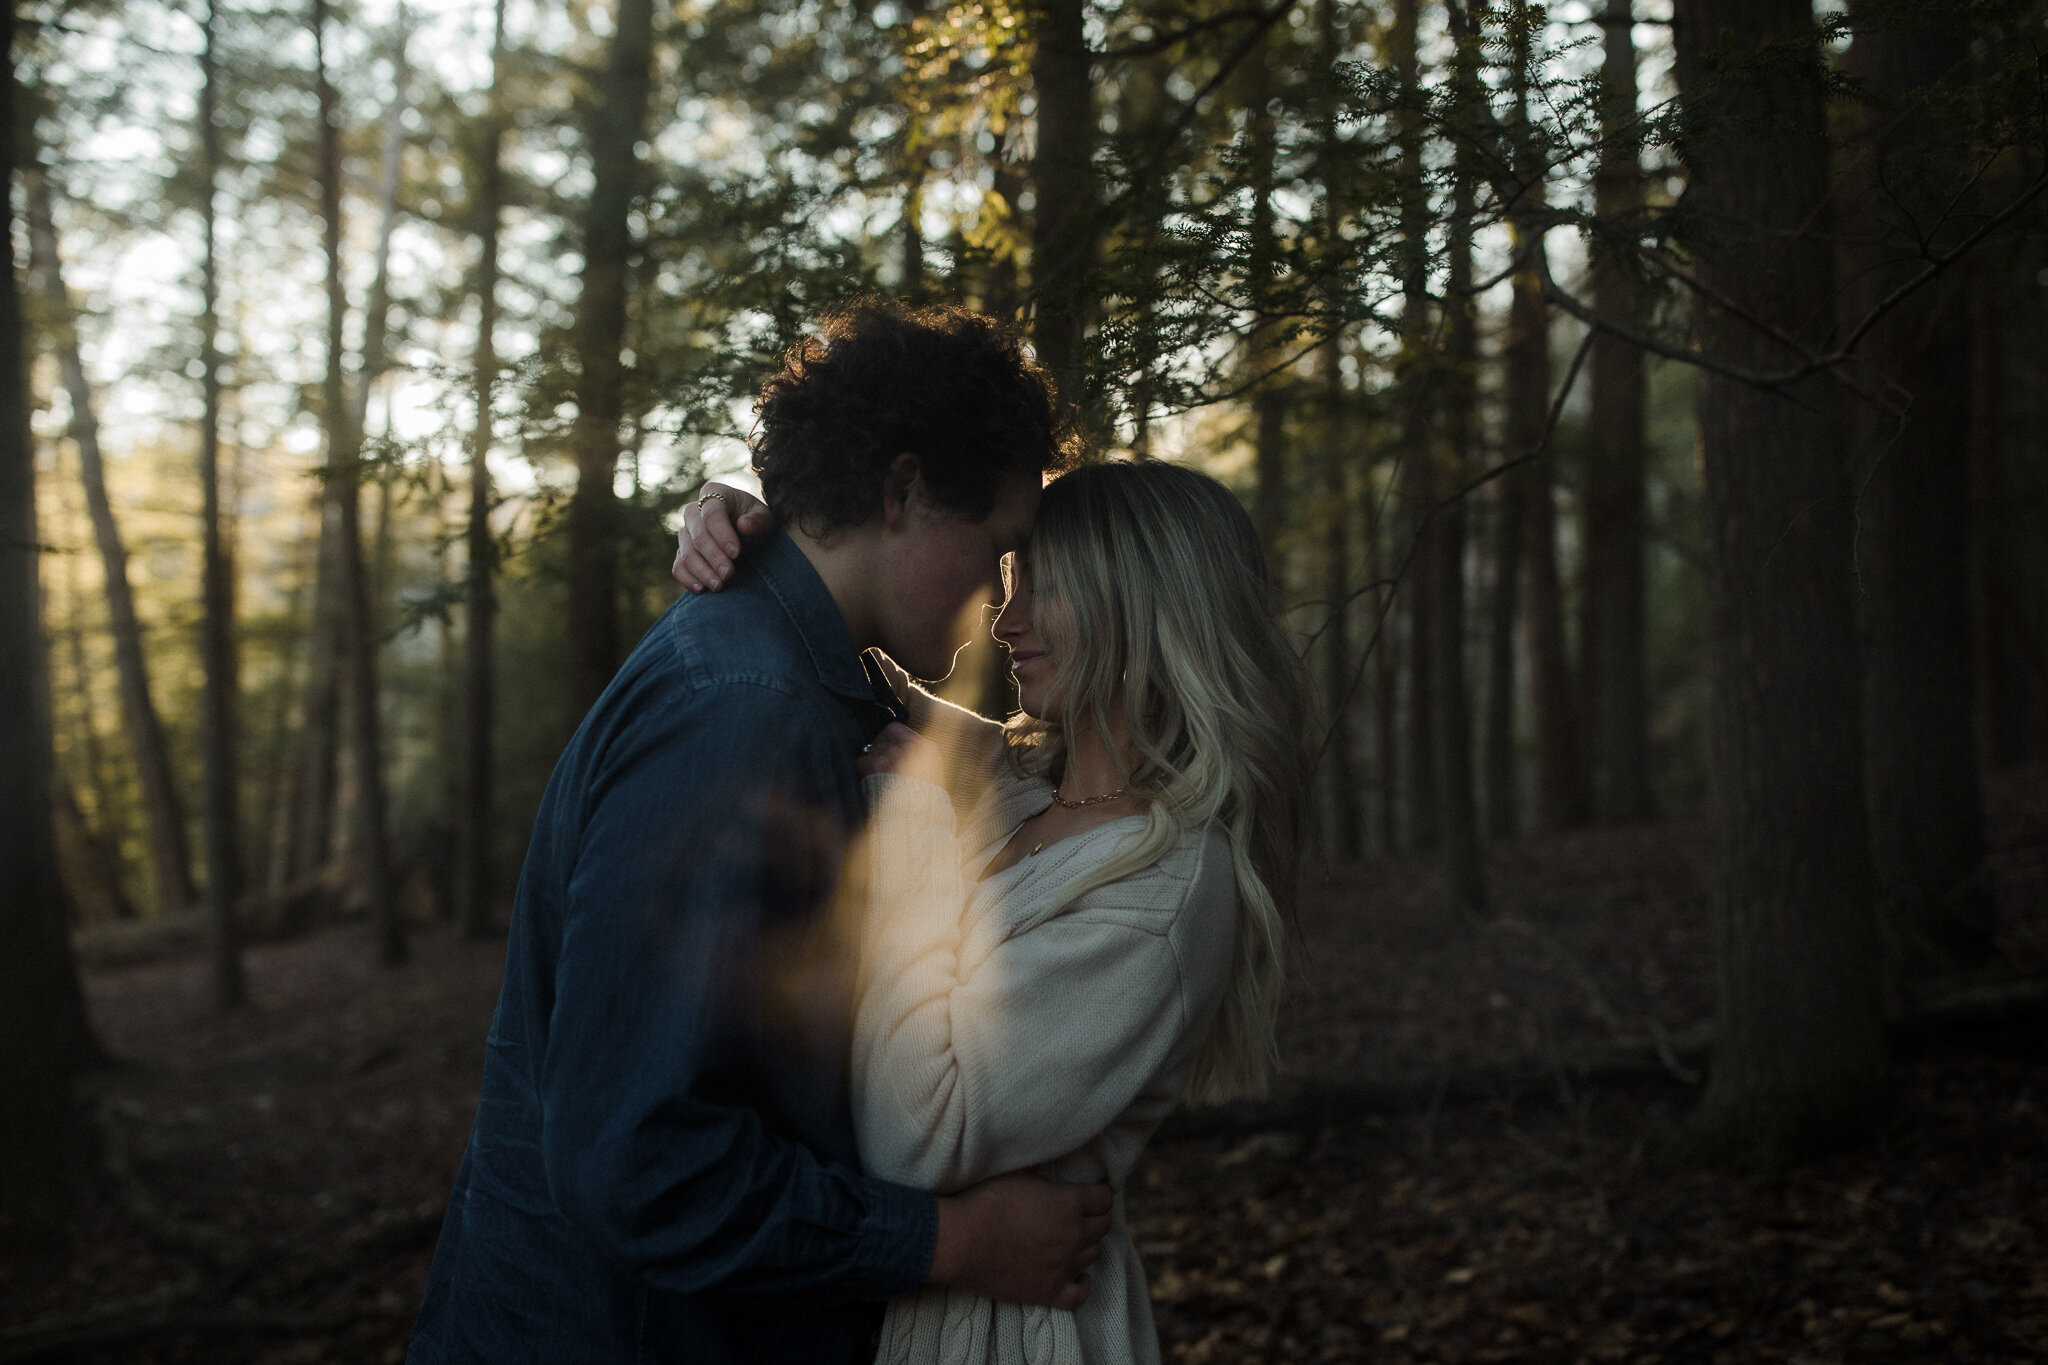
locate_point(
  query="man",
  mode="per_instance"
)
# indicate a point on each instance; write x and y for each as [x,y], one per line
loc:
[663,1165]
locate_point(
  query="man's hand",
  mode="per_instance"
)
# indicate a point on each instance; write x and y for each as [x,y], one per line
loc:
[710,536]
[1022,1240]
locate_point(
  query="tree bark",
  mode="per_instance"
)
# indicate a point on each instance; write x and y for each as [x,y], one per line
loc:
[1338,456]
[309,836]
[1419,495]
[910,268]
[1561,797]
[220,745]
[1463,855]
[1141,110]
[1611,604]
[344,479]
[90,866]
[1909,456]
[169,854]
[1526,360]
[377,315]
[2002,647]
[615,134]
[1464,859]
[1268,399]
[479,696]
[41,1009]
[1001,294]
[1418,477]
[1386,681]
[1062,175]
[1560,788]
[101,844]
[1560,785]
[281,751]
[1800,1063]
[1503,777]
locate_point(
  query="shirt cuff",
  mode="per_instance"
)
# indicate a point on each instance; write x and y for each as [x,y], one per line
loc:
[897,1240]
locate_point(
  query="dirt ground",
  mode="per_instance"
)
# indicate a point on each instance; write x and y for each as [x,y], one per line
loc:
[267,1186]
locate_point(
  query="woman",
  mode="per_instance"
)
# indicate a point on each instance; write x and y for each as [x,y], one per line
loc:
[1076,920]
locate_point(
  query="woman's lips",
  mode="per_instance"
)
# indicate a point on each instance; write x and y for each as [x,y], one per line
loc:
[1019,660]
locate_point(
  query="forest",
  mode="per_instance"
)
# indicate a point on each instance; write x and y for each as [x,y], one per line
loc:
[1641,402]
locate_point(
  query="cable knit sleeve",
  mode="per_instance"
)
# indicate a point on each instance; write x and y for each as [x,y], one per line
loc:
[978,1051]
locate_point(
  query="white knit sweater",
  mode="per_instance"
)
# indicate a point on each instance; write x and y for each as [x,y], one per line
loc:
[1004,1025]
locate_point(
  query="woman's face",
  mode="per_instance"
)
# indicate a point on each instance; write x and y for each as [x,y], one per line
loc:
[1020,628]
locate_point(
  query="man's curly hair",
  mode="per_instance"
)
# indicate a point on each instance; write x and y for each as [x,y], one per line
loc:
[879,378]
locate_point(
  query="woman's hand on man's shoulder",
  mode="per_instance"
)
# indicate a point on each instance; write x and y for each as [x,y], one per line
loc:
[715,526]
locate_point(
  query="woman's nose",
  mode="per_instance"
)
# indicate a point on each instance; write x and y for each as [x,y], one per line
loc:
[1006,626]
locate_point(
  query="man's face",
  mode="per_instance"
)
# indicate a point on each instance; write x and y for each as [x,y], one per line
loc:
[940,570]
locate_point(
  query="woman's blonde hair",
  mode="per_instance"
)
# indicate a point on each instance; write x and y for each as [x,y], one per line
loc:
[1162,608]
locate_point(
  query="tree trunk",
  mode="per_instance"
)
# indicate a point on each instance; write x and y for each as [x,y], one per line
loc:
[1464,861]
[102,844]
[1418,478]
[40,1005]
[1800,1064]
[220,745]
[1561,796]
[309,838]
[1001,294]
[1419,493]
[1911,463]
[1560,786]
[1463,854]
[1503,779]
[615,133]
[1063,182]
[344,480]
[1268,399]
[280,760]
[377,316]
[1339,453]
[479,697]
[1142,111]
[910,269]
[1611,604]
[1386,681]
[1346,820]
[2002,645]
[169,856]
[89,866]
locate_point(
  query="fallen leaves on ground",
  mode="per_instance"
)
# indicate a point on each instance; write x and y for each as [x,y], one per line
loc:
[318,1131]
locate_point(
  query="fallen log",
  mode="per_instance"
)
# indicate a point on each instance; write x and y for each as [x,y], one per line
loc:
[1658,1058]
[1306,1105]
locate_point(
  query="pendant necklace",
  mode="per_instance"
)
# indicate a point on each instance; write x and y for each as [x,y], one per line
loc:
[1065,804]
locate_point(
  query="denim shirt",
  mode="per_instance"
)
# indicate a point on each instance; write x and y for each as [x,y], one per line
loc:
[662,1166]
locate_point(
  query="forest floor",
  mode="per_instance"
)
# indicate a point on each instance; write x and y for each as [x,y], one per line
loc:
[269,1184]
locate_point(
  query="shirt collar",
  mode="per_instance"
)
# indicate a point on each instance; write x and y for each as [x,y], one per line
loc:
[796,585]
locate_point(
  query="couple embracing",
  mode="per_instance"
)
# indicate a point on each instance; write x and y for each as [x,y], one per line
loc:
[835,1018]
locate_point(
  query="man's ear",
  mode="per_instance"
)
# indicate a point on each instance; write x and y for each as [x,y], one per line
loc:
[899,486]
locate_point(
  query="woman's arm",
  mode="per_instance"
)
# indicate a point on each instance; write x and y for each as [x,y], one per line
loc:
[968,1062]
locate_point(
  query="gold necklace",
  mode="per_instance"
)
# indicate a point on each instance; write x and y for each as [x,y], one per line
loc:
[1065,804]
